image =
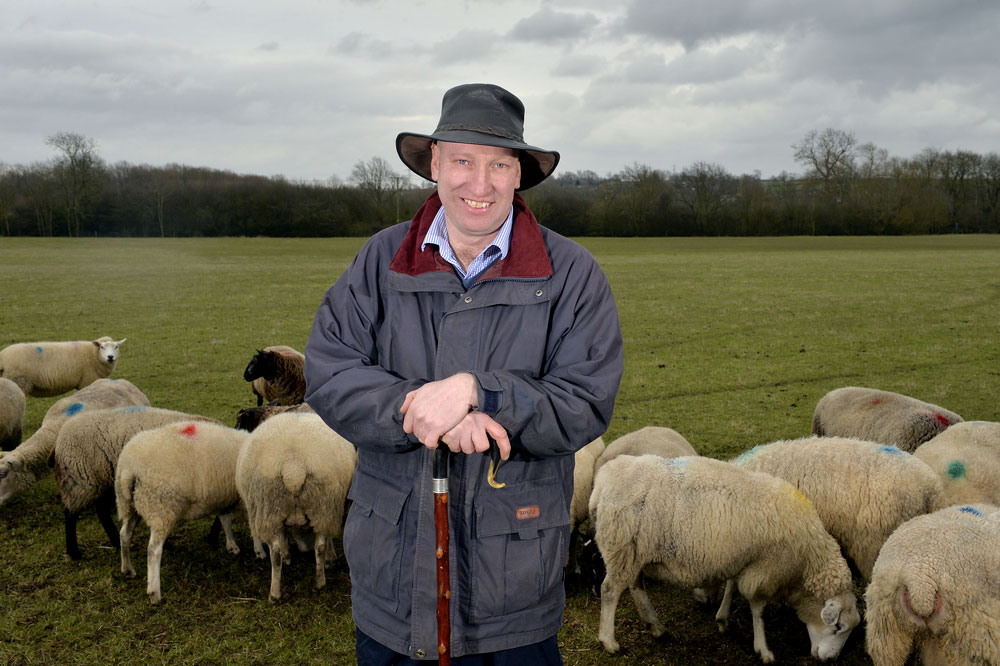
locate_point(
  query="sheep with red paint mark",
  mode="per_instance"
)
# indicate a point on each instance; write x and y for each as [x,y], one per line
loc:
[935,590]
[12,404]
[174,473]
[880,416]
[966,457]
[861,490]
[44,369]
[277,374]
[293,476]
[29,462]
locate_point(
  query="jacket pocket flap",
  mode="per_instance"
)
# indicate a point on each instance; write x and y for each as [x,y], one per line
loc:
[521,510]
[379,496]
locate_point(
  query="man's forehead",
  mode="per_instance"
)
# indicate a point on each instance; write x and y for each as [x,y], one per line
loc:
[453,148]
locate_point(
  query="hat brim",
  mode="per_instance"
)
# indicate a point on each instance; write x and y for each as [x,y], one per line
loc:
[414,150]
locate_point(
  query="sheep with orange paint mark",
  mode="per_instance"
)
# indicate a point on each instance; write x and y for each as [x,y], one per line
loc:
[966,457]
[935,590]
[44,369]
[880,416]
[177,472]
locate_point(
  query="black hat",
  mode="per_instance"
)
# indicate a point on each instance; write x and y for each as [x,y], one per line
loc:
[483,114]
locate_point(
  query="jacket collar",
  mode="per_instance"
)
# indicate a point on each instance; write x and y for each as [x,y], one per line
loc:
[528,256]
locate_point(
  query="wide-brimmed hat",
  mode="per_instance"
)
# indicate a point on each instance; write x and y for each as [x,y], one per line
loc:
[483,114]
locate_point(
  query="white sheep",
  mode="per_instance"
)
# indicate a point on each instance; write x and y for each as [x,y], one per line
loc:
[86,455]
[966,457]
[174,473]
[656,440]
[936,590]
[277,373]
[880,416]
[45,369]
[861,490]
[22,467]
[696,521]
[293,475]
[12,403]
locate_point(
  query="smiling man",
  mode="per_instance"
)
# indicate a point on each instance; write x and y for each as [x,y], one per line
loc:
[469,322]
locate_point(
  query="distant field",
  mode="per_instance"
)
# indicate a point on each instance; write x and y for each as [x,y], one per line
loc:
[729,341]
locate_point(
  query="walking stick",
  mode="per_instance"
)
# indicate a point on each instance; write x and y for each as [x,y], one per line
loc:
[439,475]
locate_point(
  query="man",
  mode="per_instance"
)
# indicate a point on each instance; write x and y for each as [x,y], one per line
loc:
[468,322]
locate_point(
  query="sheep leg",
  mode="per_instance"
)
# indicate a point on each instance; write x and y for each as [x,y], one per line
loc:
[279,553]
[105,510]
[611,590]
[226,520]
[154,554]
[759,642]
[72,546]
[722,616]
[645,608]
[320,548]
[258,549]
[128,526]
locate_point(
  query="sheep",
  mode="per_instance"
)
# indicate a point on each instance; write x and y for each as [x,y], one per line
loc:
[293,474]
[880,416]
[180,471]
[658,440]
[583,483]
[861,490]
[12,404]
[86,454]
[936,589]
[696,521]
[20,468]
[966,457]
[44,369]
[248,419]
[277,373]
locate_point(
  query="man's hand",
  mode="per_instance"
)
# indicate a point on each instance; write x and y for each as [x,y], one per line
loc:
[437,407]
[470,435]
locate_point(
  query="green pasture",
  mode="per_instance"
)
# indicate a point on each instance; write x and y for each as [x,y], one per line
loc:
[730,341]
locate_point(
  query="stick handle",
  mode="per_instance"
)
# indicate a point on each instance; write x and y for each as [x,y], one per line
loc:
[439,476]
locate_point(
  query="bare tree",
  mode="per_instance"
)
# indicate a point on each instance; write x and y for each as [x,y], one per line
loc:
[78,171]
[377,179]
[706,188]
[828,155]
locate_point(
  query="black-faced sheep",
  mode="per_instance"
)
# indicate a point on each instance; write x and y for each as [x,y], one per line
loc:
[45,369]
[935,590]
[880,416]
[966,457]
[277,374]
[12,405]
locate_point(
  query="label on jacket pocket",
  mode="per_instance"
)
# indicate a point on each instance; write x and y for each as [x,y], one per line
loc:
[526,512]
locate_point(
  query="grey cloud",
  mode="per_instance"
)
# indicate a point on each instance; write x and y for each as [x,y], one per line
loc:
[363,45]
[548,26]
[575,64]
[464,47]
[269,46]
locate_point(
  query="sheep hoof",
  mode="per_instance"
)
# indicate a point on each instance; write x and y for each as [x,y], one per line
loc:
[154,598]
[273,599]
[234,549]
[767,656]
[611,645]
[657,630]
[723,625]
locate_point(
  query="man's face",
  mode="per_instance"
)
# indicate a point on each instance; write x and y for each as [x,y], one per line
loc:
[476,185]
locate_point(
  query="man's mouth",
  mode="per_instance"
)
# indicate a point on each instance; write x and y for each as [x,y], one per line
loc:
[477,204]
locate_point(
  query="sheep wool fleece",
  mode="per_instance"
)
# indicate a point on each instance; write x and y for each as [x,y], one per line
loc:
[539,330]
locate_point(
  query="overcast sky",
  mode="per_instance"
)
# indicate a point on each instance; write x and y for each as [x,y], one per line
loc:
[306,89]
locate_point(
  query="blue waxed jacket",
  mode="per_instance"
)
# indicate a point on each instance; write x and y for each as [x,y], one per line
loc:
[539,330]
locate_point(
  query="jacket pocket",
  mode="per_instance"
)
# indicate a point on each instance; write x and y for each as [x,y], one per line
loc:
[374,536]
[519,548]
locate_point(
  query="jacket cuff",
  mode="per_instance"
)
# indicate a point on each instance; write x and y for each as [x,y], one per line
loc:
[489,393]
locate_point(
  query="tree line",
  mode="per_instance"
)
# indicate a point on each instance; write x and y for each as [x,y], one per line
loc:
[845,188]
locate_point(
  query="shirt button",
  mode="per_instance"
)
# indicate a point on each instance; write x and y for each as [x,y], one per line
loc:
[538,293]
[468,299]
[420,654]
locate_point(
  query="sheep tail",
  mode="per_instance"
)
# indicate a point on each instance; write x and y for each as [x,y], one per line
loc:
[293,475]
[920,599]
[124,491]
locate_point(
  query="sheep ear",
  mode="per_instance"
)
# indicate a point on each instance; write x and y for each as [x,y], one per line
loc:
[121,341]
[831,612]
[95,343]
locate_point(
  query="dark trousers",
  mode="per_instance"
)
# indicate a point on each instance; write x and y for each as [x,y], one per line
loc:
[544,653]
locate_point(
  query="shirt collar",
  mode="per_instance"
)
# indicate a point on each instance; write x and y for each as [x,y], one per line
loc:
[438,235]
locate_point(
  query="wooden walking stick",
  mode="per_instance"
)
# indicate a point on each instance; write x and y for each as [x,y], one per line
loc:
[439,480]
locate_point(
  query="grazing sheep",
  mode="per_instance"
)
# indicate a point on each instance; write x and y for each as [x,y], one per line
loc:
[180,471]
[86,454]
[12,405]
[861,490]
[936,590]
[293,475]
[44,369]
[248,419]
[20,468]
[966,457]
[657,440]
[880,416]
[277,373]
[697,521]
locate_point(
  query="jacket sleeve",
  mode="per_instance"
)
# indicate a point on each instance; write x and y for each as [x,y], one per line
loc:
[571,403]
[345,384]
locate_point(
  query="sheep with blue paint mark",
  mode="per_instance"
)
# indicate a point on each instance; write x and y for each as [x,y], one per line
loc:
[935,590]
[861,490]
[44,369]
[177,472]
[696,521]
[86,455]
[12,404]
[656,440]
[22,467]
[966,457]
[293,476]
[880,416]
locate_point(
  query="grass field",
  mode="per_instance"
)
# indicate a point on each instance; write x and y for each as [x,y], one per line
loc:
[729,341]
